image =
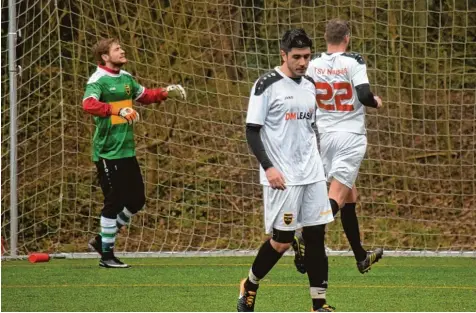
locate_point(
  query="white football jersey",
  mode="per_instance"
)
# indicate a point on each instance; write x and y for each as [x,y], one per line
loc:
[286,110]
[335,76]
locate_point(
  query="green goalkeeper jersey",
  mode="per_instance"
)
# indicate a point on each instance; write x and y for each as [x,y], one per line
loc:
[113,137]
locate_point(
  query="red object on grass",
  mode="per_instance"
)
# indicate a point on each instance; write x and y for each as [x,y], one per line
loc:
[38,257]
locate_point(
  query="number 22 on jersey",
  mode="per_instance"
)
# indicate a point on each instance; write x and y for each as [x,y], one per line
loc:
[326,91]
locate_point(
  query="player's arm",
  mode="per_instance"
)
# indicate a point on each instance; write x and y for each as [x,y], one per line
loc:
[366,97]
[256,144]
[255,119]
[362,86]
[91,103]
[147,96]
[94,106]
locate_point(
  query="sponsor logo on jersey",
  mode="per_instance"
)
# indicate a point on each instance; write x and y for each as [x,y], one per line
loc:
[127,89]
[288,218]
[288,97]
[298,115]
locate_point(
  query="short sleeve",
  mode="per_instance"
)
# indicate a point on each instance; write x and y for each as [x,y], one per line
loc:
[359,74]
[93,90]
[137,89]
[310,70]
[258,107]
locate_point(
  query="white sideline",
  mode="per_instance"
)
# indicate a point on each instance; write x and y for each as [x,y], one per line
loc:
[387,253]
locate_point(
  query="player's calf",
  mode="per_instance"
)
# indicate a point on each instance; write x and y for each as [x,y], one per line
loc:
[317,266]
[268,255]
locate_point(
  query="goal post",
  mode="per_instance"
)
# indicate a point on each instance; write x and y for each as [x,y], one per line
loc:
[417,191]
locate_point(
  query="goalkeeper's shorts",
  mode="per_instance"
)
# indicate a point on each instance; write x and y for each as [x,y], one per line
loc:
[122,185]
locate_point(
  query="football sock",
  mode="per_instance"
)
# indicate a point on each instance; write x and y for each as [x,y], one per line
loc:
[318,303]
[317,264]
[108,235]
[334,206]
[350,224]
[265,260]
[123,218]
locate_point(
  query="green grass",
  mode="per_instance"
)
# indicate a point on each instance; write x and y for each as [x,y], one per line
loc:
[211,284]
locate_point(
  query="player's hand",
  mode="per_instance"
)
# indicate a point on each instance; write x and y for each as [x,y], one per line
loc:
[275,179]
[129,114]
[379,101]
[176,92]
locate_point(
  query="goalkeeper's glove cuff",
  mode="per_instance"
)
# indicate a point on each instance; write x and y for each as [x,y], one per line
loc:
[113,110]
[161,94]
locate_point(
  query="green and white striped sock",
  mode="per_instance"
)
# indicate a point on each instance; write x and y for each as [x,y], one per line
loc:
[123,218]
[108,233]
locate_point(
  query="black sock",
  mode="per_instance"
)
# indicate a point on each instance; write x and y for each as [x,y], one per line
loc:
[265,260]
[317,264]
[318,303]
[334,206]
[351,229]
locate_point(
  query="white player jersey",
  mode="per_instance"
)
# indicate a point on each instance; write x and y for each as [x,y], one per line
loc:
[336,76]
[286,110]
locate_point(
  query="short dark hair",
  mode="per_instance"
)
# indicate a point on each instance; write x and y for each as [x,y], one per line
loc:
[102,47]
[336,30]
[295,38]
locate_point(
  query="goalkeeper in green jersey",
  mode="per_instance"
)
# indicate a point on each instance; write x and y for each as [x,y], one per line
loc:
[109,95]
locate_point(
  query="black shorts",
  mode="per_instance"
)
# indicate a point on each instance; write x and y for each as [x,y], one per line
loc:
[122,185]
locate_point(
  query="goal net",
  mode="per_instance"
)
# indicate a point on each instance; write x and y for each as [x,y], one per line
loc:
[417,183]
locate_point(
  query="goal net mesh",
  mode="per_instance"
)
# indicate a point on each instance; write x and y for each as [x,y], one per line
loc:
[417,182]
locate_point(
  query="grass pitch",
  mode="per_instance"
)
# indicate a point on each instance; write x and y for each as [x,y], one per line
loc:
[211,284]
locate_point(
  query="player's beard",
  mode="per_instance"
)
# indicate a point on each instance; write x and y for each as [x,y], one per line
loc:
[297,73]
[293,69]
[118,64]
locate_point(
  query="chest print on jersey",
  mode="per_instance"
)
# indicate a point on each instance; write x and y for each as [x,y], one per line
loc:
[127,89]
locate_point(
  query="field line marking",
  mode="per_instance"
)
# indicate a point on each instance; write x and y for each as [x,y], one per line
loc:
[231,285]
[28,265]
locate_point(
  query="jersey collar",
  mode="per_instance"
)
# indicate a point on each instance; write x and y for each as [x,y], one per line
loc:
[109,70]
[286,77]
[330,55]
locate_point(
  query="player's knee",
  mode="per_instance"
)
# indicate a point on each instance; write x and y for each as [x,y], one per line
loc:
[312,233]
[283,236]
[111,211]
[136,208]
[352,196]
[314,237]
[137,205]
[282,240]
[339,192]
[280,247]
[339,199]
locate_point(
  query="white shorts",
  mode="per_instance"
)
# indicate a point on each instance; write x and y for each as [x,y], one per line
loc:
[296,207]
[342,153]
